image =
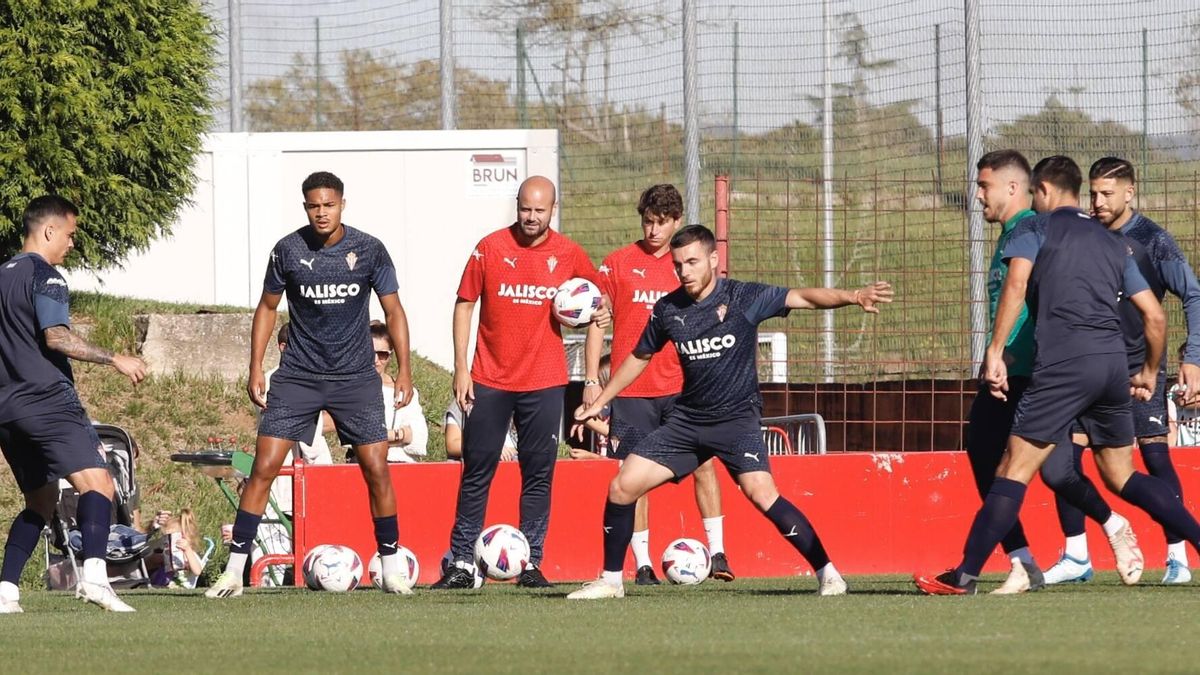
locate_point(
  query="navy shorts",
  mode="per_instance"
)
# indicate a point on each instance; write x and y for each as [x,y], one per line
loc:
[635,418]
[682,444]
[53,444]
[356,406]
[1149,417]
[1093,388]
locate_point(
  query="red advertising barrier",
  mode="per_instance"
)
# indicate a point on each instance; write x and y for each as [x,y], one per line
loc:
[876,513]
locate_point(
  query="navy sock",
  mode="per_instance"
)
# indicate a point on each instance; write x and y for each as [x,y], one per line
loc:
[794,527]
[245,528]
[997,516]
[1071,520]
[1155,497]
[387,534]
[1015,539]
[22,539]
[94,514]
[1158,463]
[618,530]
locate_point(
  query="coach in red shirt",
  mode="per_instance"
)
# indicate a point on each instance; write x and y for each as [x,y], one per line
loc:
[519,371]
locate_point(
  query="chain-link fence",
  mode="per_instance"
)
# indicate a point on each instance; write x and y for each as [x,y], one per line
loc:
[889,198]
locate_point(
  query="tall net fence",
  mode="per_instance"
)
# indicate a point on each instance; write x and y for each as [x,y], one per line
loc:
[608,75]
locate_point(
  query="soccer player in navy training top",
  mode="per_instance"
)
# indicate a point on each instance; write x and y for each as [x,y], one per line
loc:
[713,324]
[1165,268]
[328,271]
[1076,270]
[44,432]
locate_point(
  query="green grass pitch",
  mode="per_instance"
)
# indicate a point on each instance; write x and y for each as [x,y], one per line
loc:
[766,625]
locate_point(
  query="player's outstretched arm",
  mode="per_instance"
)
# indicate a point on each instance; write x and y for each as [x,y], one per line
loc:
[1155,323]
[625,375]
[464,388]
[66,341]
[260,334]
[397,324]
[867,297]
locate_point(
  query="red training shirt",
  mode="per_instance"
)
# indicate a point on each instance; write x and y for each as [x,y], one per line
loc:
[519,345]
[634,280]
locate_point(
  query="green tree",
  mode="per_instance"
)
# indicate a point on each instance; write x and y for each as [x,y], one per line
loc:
[104,103]
[374,92]
[1187,87]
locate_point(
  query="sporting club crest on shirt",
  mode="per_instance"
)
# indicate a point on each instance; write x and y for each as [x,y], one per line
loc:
[351,259]
[551,262]
[721,309]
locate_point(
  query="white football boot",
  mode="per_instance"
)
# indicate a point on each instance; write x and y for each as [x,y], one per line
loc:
[598,590]
[102,595]
[228,585]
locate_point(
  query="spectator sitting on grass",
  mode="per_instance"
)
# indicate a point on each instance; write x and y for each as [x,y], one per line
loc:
[176,564]
[597,425]
[408,432]
[452,426]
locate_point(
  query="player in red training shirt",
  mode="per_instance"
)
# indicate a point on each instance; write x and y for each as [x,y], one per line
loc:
[632,279]
[519,372]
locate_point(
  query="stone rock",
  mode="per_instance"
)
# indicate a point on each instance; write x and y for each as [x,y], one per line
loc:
[200,344]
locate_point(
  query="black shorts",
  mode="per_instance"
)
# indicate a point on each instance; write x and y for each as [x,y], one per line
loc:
[682,444]
[1092,388]
[1149,417]
[356,406]
[635,418]
[53,444]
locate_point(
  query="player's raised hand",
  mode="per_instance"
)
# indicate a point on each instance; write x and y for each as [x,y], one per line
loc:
[256,386]
[874,294]
[404,389]
[464,389]
[130,366]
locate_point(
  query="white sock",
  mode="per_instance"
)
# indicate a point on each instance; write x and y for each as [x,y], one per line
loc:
[827,572]
[95,571]
[611,578]
[9,591]
[391,565]
[1113,524]
[1178,551]
[237,564]
[714,528]
[1076,547]
[640,543]
[1022,555]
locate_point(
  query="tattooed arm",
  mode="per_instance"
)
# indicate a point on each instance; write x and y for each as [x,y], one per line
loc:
[65,341]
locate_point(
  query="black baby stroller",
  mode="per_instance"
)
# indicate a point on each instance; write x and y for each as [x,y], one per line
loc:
[127,548]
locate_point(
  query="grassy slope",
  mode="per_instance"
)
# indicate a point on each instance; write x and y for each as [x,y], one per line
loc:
[774,625]
[179,413]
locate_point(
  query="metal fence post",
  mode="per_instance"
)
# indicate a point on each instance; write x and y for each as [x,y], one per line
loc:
[691,127]
[446,55]
[977,273]
[235,66]
[827,332]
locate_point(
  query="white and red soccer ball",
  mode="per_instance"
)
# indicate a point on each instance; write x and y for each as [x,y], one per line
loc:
[408,560]
[332,567]
[501,552]
[686,562]
[576,301]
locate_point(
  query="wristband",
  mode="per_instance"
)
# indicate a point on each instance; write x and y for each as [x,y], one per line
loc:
[591,383]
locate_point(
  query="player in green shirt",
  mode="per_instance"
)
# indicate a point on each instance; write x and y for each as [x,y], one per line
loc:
[1003,192]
